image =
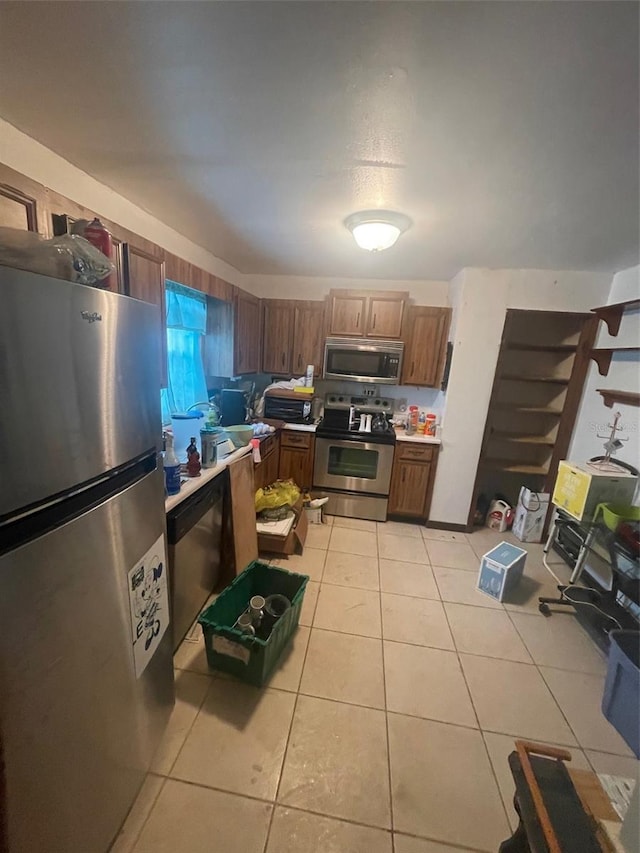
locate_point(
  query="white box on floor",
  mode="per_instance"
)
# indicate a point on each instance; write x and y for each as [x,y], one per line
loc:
[530,514]
[501,569]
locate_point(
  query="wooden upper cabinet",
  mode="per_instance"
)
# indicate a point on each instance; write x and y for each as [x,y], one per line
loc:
[365,313]
[247,337]
[347,313]
[425,337]
[308,337]
[277,333]
[145,276]
[22,202]
[385,316]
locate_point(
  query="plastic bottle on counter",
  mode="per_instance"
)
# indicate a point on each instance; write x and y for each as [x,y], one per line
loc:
[412,422]
[422,421]
[171,465]
[430,425]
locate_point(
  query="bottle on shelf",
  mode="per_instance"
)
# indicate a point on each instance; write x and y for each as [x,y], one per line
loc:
[171,465]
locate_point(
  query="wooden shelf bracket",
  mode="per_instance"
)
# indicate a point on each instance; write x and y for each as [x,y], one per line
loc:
[612,314]
[604,356]
[627,398]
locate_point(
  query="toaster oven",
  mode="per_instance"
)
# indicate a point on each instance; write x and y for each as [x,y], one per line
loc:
[288,406]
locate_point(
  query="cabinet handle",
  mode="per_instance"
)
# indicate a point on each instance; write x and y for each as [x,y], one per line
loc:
[374,320]
[283,359]
[358,319]
[404,472]
[412,366]
[299,359]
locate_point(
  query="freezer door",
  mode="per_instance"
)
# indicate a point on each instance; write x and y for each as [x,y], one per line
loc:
[78,725]
[79,385]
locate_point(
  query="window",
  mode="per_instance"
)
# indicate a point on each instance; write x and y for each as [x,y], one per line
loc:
[186,329]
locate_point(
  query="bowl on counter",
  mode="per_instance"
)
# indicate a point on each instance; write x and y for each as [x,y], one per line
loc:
[240,434]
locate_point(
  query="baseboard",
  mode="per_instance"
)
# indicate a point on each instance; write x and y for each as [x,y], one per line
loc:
[443,525]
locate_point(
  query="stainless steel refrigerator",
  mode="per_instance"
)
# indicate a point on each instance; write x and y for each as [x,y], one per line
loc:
[86,677]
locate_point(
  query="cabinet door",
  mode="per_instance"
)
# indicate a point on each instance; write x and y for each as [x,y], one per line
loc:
[144,277]
[22,202]
[247,338]
[409,488]
[272,465]
[384,319]
[425,345]
[297,465]
[277,333]
[347,314]
[308,337]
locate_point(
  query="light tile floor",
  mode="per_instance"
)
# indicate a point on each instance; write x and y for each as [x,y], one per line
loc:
[387,726]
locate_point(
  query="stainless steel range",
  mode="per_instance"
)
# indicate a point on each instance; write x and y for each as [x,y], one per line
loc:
[354,456]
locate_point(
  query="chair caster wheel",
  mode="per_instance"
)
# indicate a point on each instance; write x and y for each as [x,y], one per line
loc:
[544,609]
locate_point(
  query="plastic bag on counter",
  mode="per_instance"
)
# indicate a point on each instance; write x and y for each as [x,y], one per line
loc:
[69,256]
[282,493]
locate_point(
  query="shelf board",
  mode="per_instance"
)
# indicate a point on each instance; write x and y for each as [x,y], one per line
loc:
[523,438]
[566,348]
[603,356]
[612,314]
[627,398]
[528,410]
[550,379]
[512,466]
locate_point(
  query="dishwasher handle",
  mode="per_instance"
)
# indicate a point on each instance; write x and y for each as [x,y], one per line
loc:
[185,516]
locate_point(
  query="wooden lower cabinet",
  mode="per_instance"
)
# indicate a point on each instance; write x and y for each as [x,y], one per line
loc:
[297,451]
[266,471]
[412,480]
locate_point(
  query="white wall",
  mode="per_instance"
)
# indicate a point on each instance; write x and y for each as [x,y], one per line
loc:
[624,375]
[480,299]
[309,287]
[25,155]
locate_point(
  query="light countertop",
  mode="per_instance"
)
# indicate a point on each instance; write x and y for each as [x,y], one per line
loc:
[300,427]
[418,439]
[207,474]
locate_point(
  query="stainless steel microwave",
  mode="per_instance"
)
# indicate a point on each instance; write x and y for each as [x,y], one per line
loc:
[363,360]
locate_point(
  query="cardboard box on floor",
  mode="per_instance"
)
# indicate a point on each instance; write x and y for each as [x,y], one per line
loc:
[293,542]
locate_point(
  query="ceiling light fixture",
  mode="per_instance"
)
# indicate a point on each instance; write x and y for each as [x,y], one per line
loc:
[376,230]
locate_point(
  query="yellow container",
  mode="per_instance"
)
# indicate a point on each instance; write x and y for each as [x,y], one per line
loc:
[580,488]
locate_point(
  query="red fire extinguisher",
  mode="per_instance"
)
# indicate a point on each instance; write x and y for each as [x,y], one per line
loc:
[97,235]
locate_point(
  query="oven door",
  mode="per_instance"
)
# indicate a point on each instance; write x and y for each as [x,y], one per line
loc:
[353,465]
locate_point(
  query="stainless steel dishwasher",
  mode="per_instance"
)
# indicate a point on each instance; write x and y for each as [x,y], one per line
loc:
[194,530]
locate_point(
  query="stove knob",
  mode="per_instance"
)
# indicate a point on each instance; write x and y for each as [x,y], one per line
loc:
[341,399]
[376,402]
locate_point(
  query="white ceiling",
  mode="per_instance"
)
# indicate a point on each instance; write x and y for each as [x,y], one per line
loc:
[507,131]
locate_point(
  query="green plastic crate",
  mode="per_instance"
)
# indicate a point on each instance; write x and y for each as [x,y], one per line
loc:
[231,650]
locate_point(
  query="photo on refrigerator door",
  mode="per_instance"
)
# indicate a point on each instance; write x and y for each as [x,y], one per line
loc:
[149,604]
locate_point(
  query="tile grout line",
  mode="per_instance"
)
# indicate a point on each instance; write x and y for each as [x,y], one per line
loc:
[386,713]
[286,746]
[475,713]
[551,693]
[134,841]
[213,677]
